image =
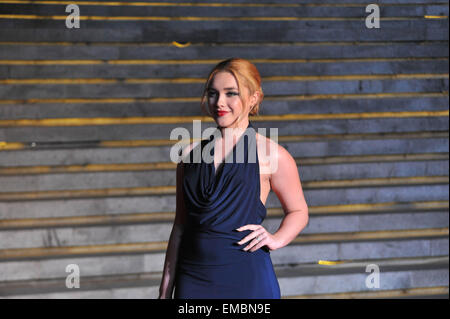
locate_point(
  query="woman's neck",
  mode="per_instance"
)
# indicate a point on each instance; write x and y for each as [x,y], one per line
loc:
[235,129]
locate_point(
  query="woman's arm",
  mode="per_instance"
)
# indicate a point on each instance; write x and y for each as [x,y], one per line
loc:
[285,182]
[170,263]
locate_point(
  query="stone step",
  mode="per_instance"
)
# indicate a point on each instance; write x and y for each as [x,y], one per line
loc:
[194,88]
[147,120]
[299,10]
[354,284]
[165,166]
[306,2]
[268,107]
[136,261]
[280,256]
[119,129]
[383,183]
[152,178]
[58,251]
[193,80]
[335,16]
[271,3]
[139,70]
[291,97]
[348,278]
[17,56]
[50,15]
[252,31]
[357,209]
[156,232]
[440,292]
[147,284]
[140,151]
[166,202]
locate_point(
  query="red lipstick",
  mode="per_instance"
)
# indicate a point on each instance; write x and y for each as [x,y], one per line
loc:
[221,113]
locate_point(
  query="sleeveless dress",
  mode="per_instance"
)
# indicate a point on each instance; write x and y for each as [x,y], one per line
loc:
[210,262]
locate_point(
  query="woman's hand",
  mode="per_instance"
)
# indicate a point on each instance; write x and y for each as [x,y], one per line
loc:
[261,237]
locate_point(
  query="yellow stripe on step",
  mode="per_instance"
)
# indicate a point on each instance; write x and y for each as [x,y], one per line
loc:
[353,77]
[170,190]
[208,61]
[187,119]
[161,18]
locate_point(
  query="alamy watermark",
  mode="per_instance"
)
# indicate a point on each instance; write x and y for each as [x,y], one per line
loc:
[373,280]
[229,139]
[73,19]
[373,19]
[73,279]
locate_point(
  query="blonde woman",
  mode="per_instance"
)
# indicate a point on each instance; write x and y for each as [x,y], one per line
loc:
[218,247]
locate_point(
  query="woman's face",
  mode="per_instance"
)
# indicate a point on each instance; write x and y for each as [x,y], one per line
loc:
[225,102]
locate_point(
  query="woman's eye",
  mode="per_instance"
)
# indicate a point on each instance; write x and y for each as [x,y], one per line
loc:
[213,94]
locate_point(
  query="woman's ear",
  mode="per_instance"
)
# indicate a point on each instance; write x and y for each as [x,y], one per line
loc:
[254,98]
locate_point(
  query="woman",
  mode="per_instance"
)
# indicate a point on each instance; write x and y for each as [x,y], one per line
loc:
[218,247]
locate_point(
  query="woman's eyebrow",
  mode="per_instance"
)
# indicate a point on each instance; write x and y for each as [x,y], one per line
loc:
[228,89]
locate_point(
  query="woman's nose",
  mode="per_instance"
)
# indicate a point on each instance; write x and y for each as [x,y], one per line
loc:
[221,100]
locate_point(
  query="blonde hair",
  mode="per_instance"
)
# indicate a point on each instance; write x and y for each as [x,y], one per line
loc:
[246,75]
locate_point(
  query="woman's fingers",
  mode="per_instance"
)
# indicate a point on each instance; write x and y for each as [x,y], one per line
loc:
[257,238]
[259,244]
[249,226]
[258,235]
[265,238]
[257,230]
[256,243]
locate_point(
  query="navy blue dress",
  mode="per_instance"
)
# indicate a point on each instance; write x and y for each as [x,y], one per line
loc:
[210,262]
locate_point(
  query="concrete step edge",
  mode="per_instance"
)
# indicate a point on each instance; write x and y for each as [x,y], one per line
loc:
[20,287]
[160,217]
[219,4]
[170,190]
[155,247]
[285,97]
[326,268]
[147,120]
[284,78]
[118,19]
[424,292]
[188,62]
[49,30]
[157,166]
[17,146]
[219,44]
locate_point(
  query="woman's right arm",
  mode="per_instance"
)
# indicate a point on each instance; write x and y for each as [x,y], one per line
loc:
[170,263]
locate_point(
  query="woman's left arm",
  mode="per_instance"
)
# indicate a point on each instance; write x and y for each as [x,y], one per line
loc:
[285,182]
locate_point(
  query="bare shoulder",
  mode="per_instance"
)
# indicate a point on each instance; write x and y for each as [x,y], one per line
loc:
[272,155]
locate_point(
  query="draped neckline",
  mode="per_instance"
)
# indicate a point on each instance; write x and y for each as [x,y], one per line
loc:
[223,162]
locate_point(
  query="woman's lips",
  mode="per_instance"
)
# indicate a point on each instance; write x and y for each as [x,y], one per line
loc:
[221,113]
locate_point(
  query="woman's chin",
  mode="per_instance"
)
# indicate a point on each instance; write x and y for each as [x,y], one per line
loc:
[223,121]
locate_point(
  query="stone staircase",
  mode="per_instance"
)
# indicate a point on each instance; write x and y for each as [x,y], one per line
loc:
[86,116]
